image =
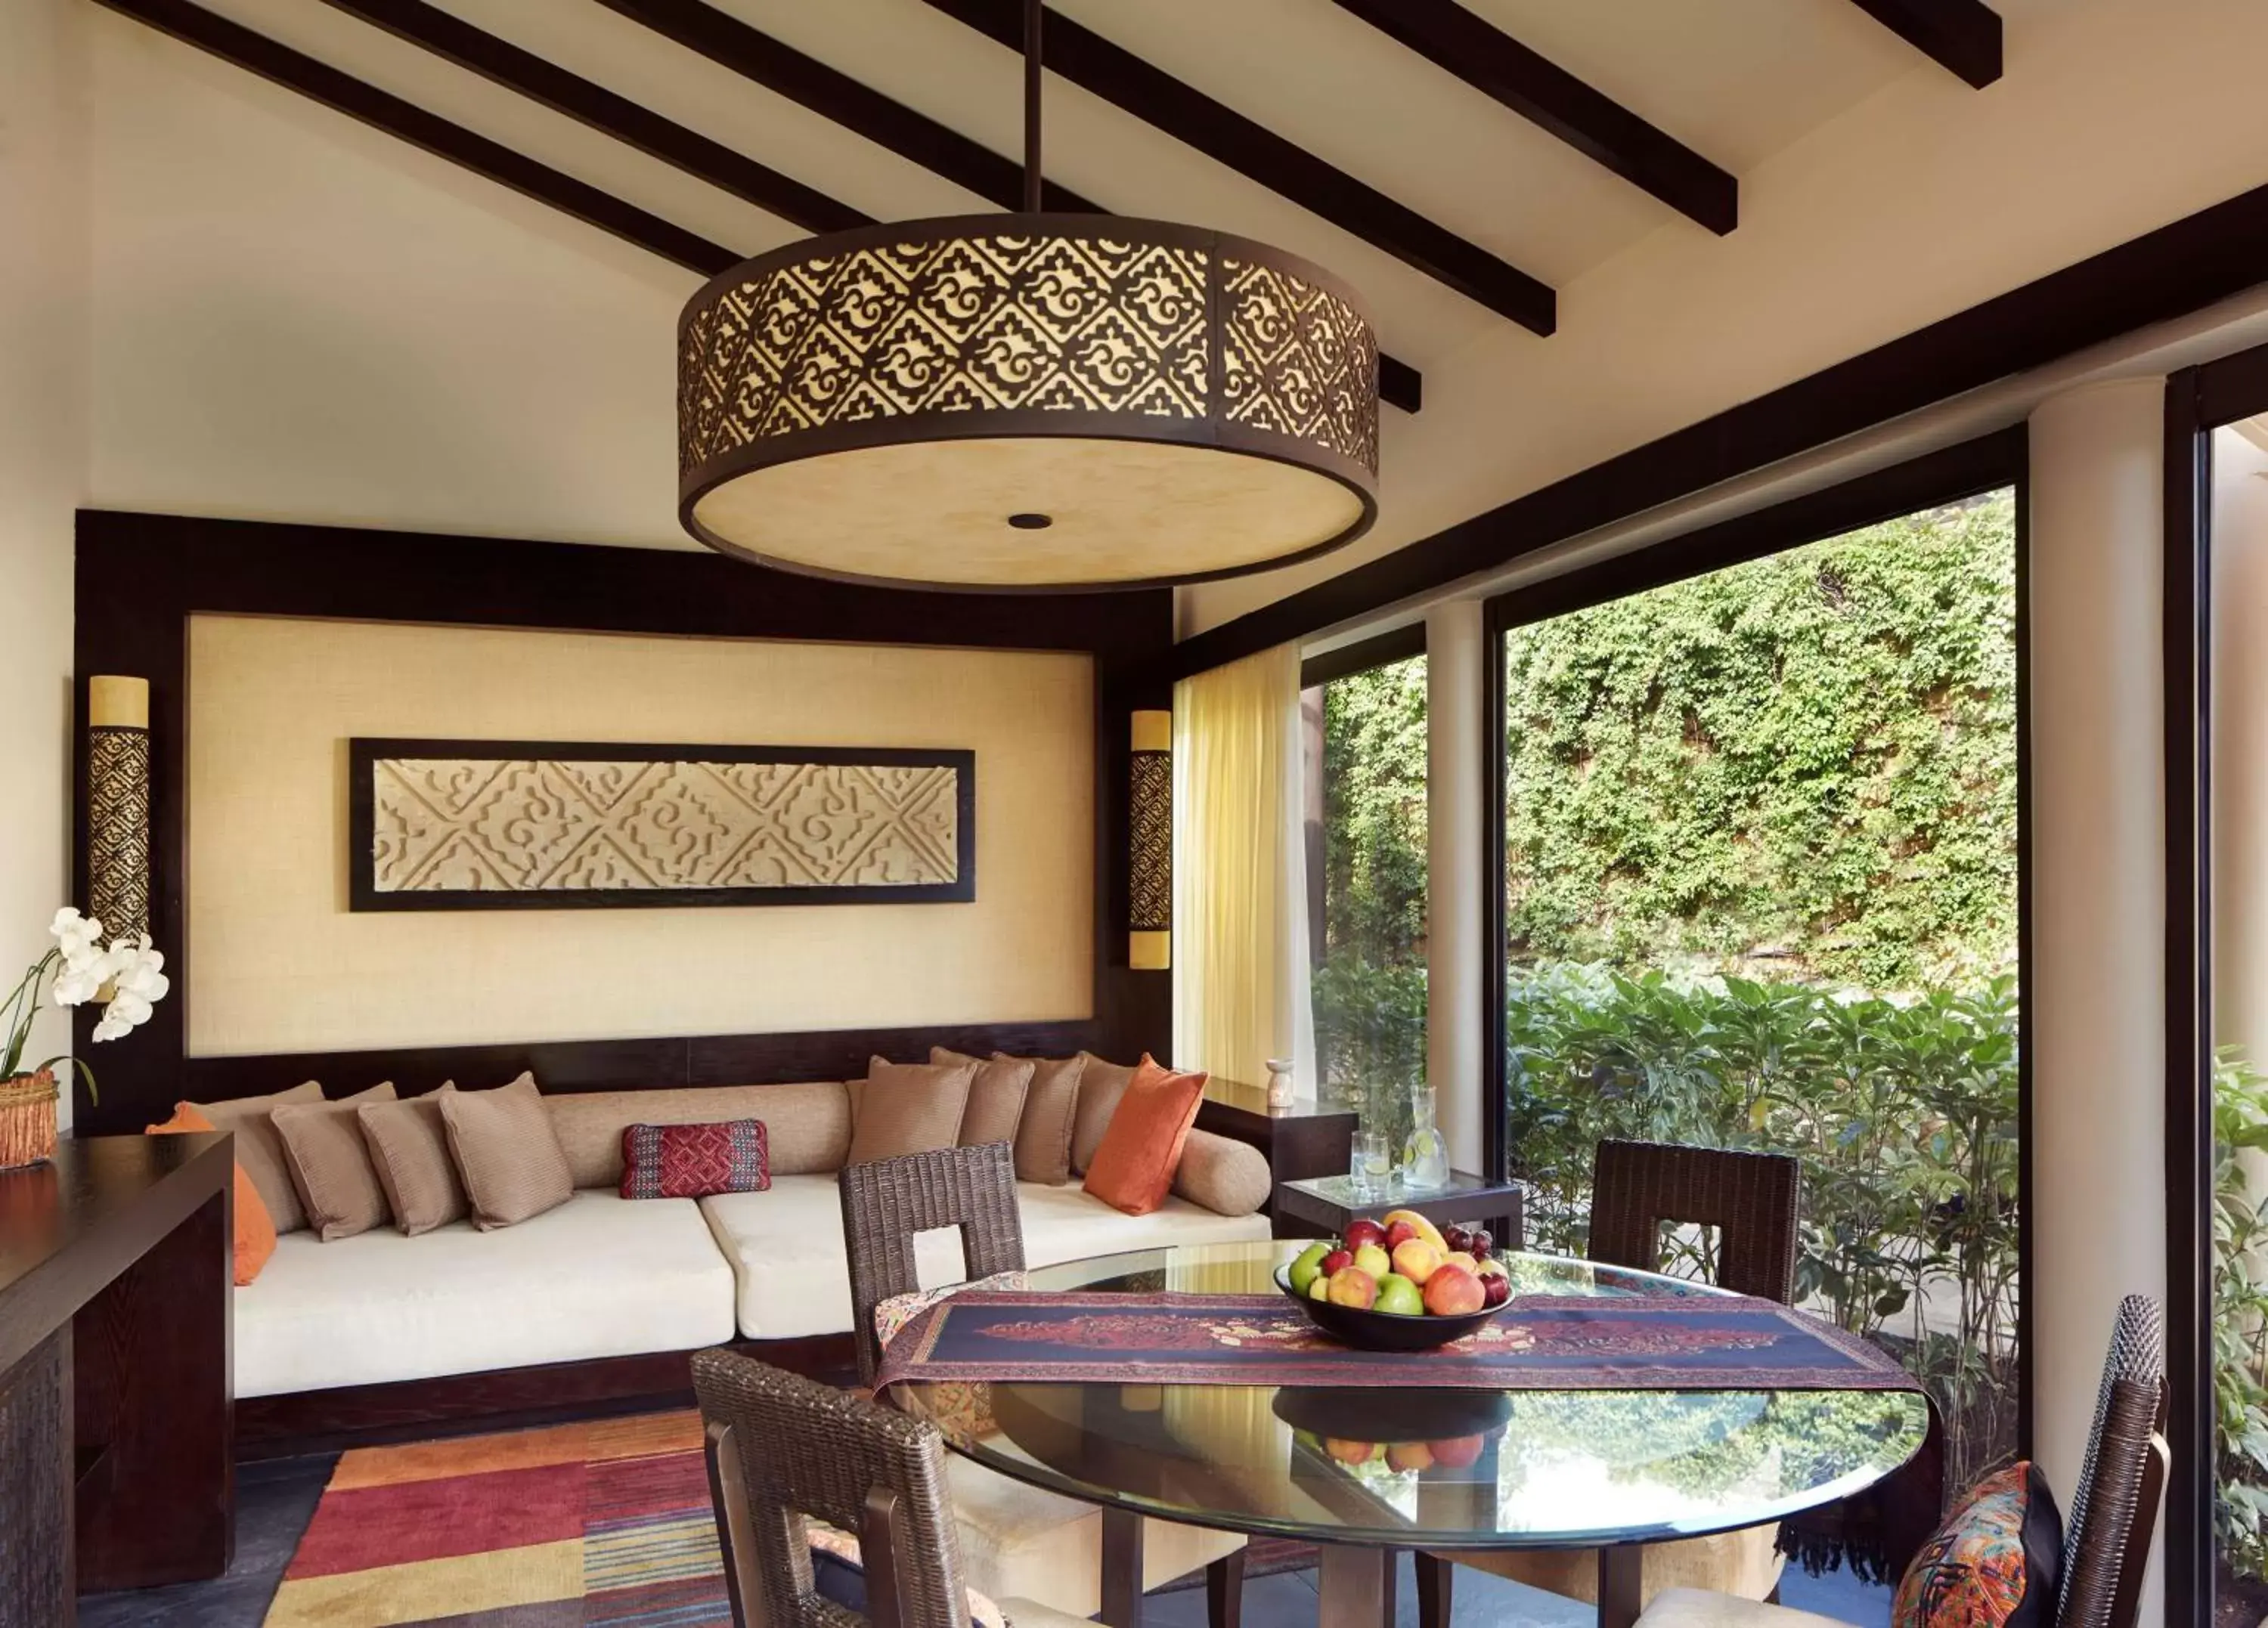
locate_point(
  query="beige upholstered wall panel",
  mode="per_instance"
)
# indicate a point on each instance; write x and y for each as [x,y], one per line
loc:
[277,963]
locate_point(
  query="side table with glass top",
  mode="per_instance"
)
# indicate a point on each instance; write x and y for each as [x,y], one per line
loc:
[1365,1472]
[1321,1206]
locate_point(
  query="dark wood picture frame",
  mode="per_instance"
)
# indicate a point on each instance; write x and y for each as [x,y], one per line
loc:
[365,752]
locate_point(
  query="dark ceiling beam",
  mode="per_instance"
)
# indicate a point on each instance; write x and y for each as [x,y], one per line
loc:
[1963,36]
[891,125]
[1119,76]
[755,55]
[344,93]
[1547,95]
[504,63]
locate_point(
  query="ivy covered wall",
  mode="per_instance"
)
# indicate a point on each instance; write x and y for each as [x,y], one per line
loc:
[1802,767]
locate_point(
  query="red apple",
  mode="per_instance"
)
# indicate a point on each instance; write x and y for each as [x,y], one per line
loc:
[1333,1261]
[1496,1288]
[1351,1286]
[1364,1231]
[1458,1452]
[1452,1290]
[1398,1234]
[1349,1452]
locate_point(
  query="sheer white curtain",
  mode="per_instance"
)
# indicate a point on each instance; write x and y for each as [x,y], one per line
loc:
[1240,915]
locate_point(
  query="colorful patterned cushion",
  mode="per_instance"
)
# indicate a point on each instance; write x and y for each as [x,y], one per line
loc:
[1992,1564]
[695,1161]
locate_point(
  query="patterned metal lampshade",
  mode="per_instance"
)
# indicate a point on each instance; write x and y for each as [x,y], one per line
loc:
[1027,401]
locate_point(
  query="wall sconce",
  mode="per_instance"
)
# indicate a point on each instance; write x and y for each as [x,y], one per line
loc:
[1150,946]
[118,804]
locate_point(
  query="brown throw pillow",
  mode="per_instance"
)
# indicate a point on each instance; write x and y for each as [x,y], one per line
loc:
[1100,1088]
[409,1146]
[909,1107]
[1043,1135]
[260,1151]
[331,1165]
[996,1096]
[507,1152]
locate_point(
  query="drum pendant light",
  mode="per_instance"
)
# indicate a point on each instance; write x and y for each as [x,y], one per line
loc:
[1027,401]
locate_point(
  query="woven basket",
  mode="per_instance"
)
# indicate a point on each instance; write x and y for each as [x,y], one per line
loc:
[27,1119]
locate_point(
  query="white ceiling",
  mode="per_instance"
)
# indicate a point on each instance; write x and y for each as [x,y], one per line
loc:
[1845,139]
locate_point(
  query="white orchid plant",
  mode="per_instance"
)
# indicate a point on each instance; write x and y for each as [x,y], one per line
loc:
[127,976]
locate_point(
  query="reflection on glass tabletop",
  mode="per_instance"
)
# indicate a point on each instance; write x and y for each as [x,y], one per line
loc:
[1477,1469]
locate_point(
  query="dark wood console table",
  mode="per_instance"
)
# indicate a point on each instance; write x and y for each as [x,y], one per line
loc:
[114,1371]
[1302,1139]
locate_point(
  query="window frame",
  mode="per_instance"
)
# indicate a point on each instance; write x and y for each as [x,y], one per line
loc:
[2199,400]
[1985,464]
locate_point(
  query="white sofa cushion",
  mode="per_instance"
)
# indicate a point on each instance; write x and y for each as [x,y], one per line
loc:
[786,1246]
[600,1276]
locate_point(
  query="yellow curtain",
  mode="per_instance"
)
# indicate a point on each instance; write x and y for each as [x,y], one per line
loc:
[1239,925]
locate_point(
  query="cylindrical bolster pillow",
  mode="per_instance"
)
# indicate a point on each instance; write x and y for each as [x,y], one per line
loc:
[1227,1177]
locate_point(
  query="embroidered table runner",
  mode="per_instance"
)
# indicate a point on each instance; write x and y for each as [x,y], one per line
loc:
[1540,1342]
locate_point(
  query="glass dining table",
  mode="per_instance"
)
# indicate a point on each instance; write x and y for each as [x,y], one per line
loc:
[1363,1473]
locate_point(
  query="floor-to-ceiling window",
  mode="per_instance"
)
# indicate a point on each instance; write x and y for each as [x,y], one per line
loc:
[1364,781]
[2217,900]
[1760,890]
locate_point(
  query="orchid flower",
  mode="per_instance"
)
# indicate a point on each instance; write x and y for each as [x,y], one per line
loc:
[129,974]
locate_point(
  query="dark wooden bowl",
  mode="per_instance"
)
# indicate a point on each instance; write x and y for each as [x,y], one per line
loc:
[1384,1330]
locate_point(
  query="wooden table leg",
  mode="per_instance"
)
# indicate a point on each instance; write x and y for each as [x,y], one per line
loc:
[153,1405]
[1356,1586]
[1622,1578]
[1122,1569]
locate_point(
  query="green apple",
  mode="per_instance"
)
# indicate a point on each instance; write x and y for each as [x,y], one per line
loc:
[1310,1262]
[1399,1295]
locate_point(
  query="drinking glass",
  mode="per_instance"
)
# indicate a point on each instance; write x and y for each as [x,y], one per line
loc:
[1372,1165]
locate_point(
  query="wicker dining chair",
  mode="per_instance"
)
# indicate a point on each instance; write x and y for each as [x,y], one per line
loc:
[1636,1189]
[2107,1538]
[1016,1539]
[783,1451]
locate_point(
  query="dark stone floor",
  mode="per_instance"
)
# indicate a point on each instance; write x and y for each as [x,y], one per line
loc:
[275,1501]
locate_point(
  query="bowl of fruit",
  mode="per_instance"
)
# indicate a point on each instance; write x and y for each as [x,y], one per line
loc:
[1398,1283]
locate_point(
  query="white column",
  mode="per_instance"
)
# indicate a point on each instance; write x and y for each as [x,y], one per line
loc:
[1456,877]
[2096,991]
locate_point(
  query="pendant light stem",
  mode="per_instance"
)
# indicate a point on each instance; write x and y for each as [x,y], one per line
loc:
[1034,10]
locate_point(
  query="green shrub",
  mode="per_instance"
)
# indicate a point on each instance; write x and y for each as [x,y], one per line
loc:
[2239,1313]
[1904,1115]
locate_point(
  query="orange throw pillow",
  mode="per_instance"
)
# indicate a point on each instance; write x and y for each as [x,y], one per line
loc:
[255,1231]
[1133,1168]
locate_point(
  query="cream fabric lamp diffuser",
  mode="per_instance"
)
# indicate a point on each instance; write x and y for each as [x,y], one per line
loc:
[1027,401]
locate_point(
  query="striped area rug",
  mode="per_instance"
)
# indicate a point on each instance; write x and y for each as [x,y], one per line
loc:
[605,1522]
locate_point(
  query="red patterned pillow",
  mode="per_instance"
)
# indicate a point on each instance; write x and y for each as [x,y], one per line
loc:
[1994,1562]
[695,1161]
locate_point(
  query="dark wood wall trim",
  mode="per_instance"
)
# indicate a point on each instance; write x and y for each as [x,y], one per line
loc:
[140,577]
[1397,645]
[2177,269]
